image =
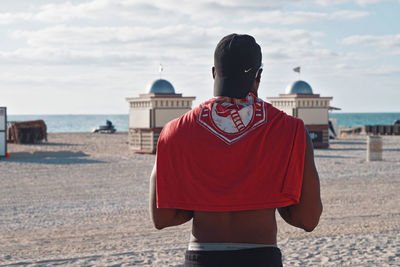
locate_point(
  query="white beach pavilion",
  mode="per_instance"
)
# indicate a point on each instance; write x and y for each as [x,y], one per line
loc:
[149,113]
[300,101]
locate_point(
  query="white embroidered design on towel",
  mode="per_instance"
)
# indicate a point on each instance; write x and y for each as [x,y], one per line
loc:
[233,119]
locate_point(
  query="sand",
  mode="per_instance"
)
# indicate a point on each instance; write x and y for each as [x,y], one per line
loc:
[81,199]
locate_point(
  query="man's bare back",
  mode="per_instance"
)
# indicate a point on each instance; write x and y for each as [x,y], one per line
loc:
[250,226]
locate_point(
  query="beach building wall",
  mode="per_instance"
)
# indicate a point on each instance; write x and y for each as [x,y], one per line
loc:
[299,101]
[149,112]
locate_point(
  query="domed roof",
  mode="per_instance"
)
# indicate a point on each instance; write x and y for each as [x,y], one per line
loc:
[161,86]
[299,87]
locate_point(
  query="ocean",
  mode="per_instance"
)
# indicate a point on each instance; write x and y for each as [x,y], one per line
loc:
[360,119]
[76,123]
[84,123]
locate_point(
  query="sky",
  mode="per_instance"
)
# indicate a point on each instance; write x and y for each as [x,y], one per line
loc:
[86,57]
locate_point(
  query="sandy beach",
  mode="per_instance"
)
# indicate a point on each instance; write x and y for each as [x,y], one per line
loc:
[82,198]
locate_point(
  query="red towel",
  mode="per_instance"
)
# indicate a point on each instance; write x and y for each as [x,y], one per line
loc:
[230,154]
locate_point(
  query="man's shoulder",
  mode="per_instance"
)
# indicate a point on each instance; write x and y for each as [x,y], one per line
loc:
[275,113]
[180,126]
[280,122]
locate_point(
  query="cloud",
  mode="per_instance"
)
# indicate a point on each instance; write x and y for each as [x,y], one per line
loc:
[58,12]
[67,11]
[113,45]
[176,35]
[286,36]
[297,17]
[285,17]
[292,45]
[386,70]
[62,56]
[338,2]
[145,36]
[158,12]
[387,43]
[349,14]
[177,42]
[96,10]
[8,18]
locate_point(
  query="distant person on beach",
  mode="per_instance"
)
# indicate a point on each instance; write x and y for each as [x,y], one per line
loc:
[230,164]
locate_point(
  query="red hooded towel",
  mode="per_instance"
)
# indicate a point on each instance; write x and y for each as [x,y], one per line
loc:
[231,154]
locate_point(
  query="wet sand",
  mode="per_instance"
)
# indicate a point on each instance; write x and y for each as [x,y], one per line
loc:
[81,199]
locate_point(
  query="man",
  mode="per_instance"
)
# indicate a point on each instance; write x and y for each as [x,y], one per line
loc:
[230,164]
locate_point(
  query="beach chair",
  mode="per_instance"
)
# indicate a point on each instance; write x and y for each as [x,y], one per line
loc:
[374,129]
[396,129]
[368,129]
[381,129]
[28,132]
[388,129]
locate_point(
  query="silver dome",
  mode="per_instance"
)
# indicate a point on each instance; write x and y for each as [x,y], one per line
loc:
[299,87]
[161,86]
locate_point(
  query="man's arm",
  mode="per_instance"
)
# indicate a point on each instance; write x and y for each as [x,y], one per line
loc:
[307,212]
[165,217]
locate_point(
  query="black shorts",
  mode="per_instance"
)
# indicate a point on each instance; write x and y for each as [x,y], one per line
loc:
[253,257]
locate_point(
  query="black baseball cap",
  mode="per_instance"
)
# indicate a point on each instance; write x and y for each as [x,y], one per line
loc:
[237,59]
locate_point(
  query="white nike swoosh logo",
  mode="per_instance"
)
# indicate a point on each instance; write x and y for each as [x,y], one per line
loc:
[247,70]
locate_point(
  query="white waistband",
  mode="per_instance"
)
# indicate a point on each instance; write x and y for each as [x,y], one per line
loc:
[224,246]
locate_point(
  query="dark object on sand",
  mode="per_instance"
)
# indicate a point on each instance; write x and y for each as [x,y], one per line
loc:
[384,129]
[332,132]
[27,132]
[108,128]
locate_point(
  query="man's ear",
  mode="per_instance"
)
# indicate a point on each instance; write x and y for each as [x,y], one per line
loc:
[258,77]
[213,72]
[256,83]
